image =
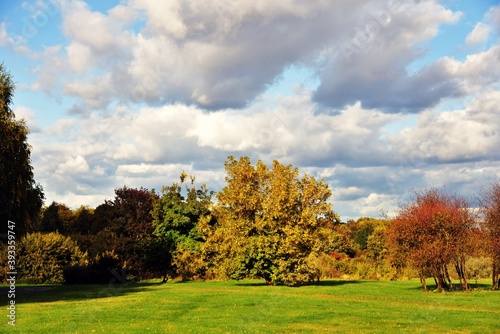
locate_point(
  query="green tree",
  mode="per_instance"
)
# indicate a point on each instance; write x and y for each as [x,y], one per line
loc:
[271,223]
[21,199]
[176,215]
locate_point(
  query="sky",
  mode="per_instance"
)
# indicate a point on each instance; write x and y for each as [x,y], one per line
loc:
[379,98]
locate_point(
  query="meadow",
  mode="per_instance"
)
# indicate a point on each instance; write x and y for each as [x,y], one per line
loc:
[334,306]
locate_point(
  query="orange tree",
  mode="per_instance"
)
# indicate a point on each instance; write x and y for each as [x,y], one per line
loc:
[432,231]
[271,223]
[491,210]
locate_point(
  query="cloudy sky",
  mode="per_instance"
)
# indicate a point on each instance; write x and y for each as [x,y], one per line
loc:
[378,97]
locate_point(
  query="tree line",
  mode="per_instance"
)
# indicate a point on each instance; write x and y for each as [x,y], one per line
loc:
[267,222]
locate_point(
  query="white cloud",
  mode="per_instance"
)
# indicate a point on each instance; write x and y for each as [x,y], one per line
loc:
[458,135]
[17,45]
[73,165]
[29,116]
[166,86]
[480,34]
[371,64]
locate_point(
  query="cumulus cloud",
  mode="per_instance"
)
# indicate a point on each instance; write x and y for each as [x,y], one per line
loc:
[159,87]
[470,134]
[480,34]
[220,55]
[371,66]
[493,16]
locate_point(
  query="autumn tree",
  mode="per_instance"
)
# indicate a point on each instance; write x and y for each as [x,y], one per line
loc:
[124,226]
[271,223]
[20,197]
[176,214]
[432,231]
[57,217]
[490,203]
[43,257]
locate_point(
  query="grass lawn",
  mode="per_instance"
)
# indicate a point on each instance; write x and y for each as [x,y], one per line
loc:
[251,307]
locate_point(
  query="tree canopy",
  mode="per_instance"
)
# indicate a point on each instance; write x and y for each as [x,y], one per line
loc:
[432,231]
[271,223]
[21,199]
[176,215]
[491,213]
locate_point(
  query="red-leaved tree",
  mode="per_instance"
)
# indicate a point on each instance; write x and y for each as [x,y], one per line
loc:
[432,231]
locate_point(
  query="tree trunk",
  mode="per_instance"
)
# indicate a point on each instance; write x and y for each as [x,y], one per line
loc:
[448,278]
[460,267]
[422,281]
[494,276]
[268,279]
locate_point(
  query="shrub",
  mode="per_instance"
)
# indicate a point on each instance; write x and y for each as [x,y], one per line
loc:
[103,269]
[188,260]
[333,265]
[478,267]
[42,257]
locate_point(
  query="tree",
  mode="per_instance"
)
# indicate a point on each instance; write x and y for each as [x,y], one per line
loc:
[43,257]
[57,217]
[123,226]
[431,232]
[21,199]
[490,203]
[271,223]
[175,218]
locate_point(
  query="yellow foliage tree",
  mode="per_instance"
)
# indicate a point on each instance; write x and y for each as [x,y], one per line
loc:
[271,223]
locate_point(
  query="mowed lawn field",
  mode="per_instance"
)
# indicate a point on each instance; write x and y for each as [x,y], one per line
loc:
[336,306]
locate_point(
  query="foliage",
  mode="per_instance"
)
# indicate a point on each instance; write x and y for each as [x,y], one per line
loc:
[57,217]
[104,268]
[332,265]
[271,223]
[359,231]
[376,245]
[188,260]
[478,268]
[491,211]
[125,226]
[340,242]
[432,231]
[43,257]
[20,197]
[175,220]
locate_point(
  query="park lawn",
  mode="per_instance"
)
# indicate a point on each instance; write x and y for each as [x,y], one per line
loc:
[335,306]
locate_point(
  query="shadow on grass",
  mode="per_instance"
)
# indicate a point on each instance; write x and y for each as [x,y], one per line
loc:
[315,283]
[48,293]
[337,282]
[456,287]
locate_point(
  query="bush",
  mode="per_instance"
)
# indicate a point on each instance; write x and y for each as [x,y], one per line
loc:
[104,269]
[43,257]
[188,260]
[478,267]
[332,265]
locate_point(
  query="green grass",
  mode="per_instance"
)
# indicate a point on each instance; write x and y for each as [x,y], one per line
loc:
[251,307]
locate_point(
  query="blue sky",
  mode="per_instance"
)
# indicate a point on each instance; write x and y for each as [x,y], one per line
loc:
[380,98]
